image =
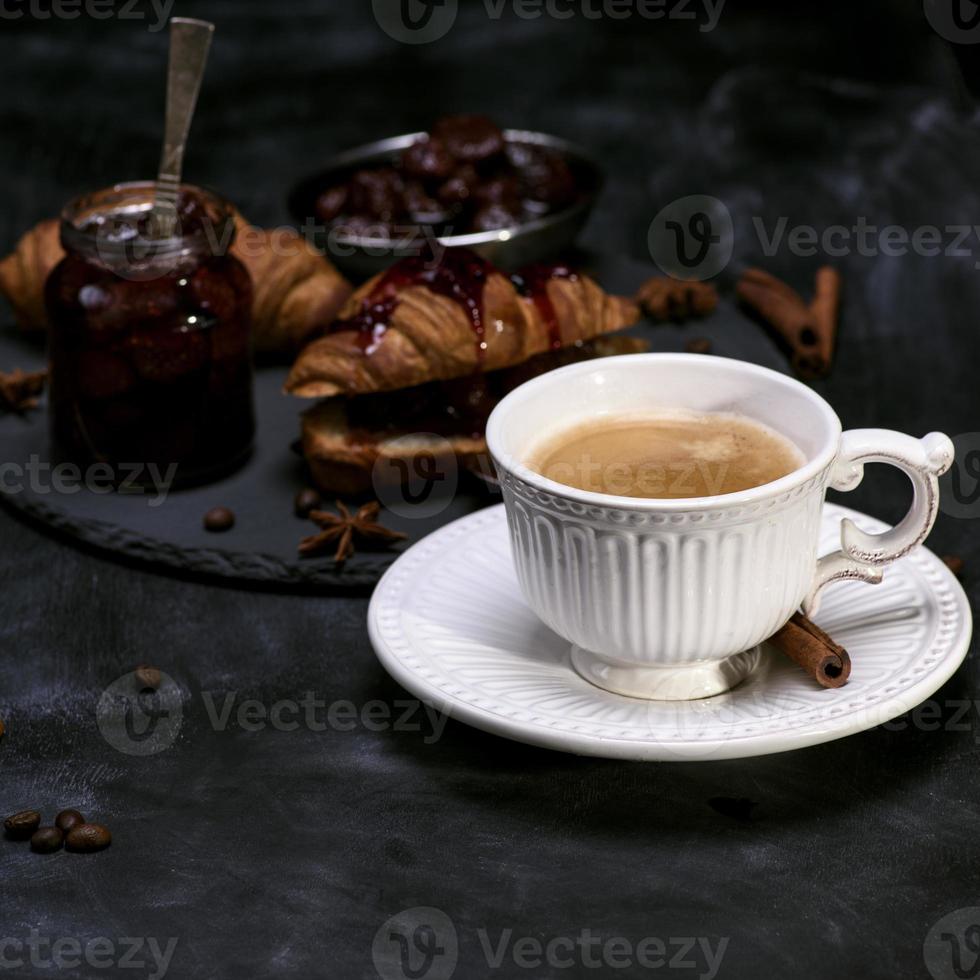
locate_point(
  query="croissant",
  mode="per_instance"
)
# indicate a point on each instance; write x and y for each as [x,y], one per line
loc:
[421,322]
[364,444]
[296,290]
[23,272]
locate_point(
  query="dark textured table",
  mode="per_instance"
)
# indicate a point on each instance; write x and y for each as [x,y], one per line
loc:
[276,843]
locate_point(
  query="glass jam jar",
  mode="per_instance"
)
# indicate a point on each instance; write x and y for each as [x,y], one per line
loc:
[149,346]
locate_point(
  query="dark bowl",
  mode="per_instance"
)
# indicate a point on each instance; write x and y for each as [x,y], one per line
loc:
[507,248]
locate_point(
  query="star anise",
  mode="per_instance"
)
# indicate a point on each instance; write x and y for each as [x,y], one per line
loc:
[344,527]
[19,390]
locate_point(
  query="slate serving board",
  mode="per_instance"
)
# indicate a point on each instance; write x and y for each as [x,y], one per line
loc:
[261,547]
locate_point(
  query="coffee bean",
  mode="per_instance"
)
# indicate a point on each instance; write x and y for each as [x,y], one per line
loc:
[699,345]
[88,837]
[219,519]
[148,676]
[67,820]
[21,825]
[47,840]
[305,501]
[3,729]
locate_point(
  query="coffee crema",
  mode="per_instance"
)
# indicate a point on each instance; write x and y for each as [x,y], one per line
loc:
[668,455]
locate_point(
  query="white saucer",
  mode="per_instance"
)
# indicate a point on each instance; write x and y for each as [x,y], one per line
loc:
[449,623]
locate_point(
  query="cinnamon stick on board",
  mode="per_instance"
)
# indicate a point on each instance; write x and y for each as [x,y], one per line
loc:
[809,330]
[809,646]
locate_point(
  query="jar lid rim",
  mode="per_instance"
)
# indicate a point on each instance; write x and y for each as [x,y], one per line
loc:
[214,232]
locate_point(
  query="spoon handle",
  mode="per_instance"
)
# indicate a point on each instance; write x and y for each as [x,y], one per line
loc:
[190,42]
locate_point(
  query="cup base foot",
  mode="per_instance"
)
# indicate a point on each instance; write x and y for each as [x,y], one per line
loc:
[686,682]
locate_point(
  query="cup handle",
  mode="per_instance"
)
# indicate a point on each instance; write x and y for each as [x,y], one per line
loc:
[863,555]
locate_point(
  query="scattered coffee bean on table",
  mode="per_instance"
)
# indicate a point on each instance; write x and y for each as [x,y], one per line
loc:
[219,519]
[46,840]
[67,820]
[88,837]
[305,501]
[148,676]
[22,825]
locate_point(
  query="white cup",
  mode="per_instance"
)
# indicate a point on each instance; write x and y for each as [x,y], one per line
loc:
[669,598]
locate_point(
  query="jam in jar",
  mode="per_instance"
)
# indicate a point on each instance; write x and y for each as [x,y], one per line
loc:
[149,348]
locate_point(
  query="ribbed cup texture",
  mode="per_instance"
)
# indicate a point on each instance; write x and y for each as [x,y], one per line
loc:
[664,589]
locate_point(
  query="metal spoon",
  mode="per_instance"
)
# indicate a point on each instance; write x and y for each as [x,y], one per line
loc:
[190,42]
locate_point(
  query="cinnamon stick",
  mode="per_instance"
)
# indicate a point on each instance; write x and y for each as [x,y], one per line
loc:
[809,330]
[809,646]
[954,563]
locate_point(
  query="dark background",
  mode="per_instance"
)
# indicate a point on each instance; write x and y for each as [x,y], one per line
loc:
[280,854]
